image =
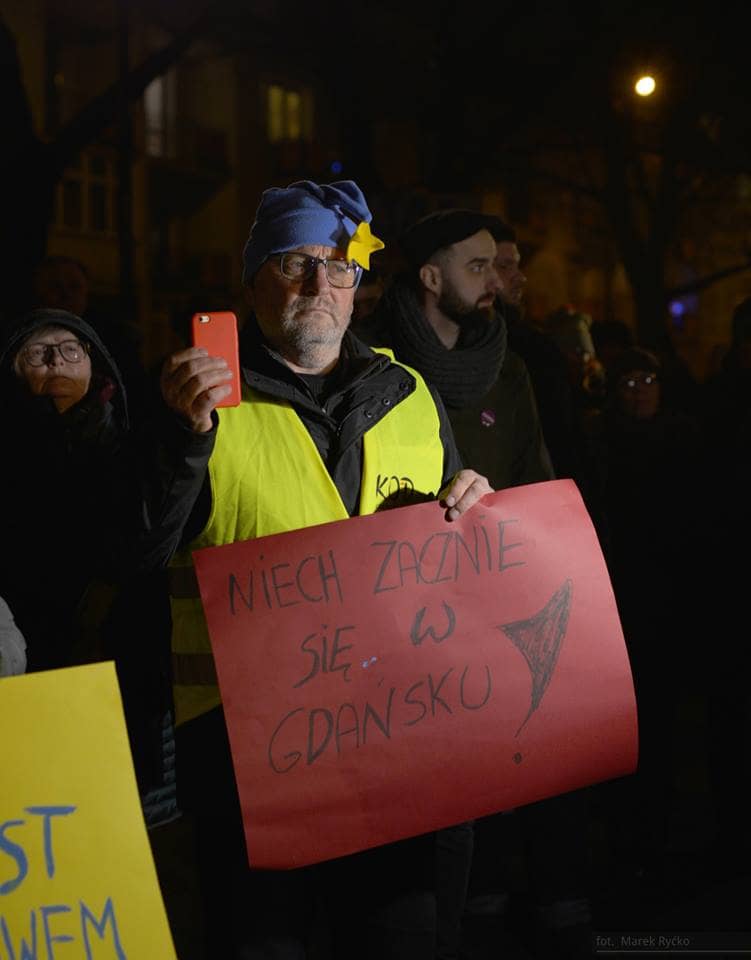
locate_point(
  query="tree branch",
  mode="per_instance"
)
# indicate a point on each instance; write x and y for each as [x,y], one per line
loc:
[711,278]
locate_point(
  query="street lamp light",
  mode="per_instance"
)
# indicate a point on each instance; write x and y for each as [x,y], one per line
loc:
[645,86]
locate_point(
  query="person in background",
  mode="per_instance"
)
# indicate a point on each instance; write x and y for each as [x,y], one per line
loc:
[369,292]
[63,283]
[570,328]
[64,441]
[546,363]
[651,477]
[70,502]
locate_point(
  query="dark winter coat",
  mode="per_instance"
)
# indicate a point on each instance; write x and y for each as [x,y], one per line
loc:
[70,527]
[336,409]
[497,430]
[61,494]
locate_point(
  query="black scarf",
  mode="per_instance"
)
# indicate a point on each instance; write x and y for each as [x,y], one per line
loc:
[462,375]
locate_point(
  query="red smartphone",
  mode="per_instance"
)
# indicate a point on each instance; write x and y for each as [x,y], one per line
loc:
[217,334]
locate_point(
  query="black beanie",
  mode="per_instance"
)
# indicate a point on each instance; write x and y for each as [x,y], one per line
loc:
[441,229]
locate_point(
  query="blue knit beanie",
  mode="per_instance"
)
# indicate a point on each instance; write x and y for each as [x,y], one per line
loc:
[303,213]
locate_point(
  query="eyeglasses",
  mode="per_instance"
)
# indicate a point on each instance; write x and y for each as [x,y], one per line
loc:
[339,273]
[648,379]
[39,354]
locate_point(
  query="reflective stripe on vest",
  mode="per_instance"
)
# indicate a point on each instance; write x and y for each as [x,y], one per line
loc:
[267,477]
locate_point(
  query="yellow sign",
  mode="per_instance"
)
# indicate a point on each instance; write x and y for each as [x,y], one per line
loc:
[77,880]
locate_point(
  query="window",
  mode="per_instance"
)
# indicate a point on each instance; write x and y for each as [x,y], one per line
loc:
[159,113]
[289,114]
[86,199]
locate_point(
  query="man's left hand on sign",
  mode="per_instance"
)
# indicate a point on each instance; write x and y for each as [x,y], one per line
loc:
[193,383]
[466,489]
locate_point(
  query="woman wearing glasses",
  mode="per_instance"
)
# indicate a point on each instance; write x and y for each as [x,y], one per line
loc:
[66,417]
[68,502]
[649,463]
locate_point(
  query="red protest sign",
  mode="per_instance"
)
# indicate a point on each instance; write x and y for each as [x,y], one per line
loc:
[393,674]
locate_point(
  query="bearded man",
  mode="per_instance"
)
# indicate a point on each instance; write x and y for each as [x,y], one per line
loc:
[439,316]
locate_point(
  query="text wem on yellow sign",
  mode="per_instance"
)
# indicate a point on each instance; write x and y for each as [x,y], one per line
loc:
[77,879]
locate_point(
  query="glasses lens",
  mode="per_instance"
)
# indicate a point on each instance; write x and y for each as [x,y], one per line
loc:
[633,382]
[71,350]
[296,266]
[34,354]
[341,273]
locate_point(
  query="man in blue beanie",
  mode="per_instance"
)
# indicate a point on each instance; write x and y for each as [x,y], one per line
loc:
[316,405]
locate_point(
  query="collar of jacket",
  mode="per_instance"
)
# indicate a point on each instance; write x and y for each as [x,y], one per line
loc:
[362,376]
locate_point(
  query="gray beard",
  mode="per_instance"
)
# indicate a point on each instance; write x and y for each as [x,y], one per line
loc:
[308,346]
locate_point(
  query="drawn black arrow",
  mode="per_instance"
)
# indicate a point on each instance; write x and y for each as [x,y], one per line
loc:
[539,639]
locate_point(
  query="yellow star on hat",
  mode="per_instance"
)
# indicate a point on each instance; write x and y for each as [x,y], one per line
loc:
[362,244]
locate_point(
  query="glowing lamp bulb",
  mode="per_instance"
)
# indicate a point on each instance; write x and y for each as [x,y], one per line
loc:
[645,86]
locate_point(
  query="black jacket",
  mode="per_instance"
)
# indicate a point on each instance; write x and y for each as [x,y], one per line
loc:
[336,409]
[62,493]
[70,523]
[497,428]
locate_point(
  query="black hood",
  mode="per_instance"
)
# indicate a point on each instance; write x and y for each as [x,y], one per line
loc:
[101,360]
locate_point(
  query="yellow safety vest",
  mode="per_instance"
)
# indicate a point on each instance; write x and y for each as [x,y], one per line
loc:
[267,477]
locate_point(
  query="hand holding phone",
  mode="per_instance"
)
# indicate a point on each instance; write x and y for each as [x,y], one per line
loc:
[217,334]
